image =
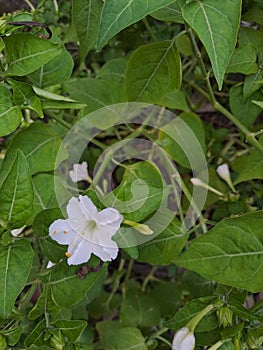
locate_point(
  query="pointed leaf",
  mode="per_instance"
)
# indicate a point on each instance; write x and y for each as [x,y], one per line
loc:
[153,71]
[57,71]
[250,166]
[162,249]
[216,23]
[95,93]
[41,151]
[85,15]
[115,337]
[16,193]
[26,97]
[119,14]
[219,254]
[10,116]
[67,288]
[15,264]
[71,328]
[243,108]
[169,13]
[25,53]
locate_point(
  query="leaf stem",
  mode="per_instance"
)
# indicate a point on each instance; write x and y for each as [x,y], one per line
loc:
[32,8]
[250,136]
[148,27]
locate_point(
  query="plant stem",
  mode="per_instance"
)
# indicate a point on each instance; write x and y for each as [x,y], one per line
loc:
[148,27]
[250,137]
[32,8]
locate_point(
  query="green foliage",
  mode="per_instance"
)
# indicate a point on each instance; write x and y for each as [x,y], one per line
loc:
[149,96]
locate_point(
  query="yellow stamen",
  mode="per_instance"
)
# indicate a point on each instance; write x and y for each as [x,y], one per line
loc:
[65,232]
[54,232]
[68,255]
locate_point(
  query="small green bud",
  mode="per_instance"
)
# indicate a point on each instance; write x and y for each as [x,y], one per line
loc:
[3,344]
[56,341]
[225,316]
[152,343]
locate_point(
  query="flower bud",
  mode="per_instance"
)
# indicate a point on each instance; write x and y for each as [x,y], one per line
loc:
[223,172]
[56,341]
[184,339]
[225,316]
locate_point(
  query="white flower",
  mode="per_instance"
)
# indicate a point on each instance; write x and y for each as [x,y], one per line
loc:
[223,172]
[87,231]
[16,232]
[79,172]
[184,339]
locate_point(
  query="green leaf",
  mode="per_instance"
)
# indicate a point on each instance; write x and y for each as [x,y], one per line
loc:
[232,243]
[70,328]
[15,265]
[13,334]
[139,309]
[67,288]
[153,71]
[41,152]
[113,70]
[85,16]
[10,116]
[162,249]
[36,337]
[243,60]
[216,24]
[252,83]
[169,142]
[95,93]
[25,53]
[190,310]
[169,13]
[140,192]
[25,96]
[61,105]
[174,100]
[243,108]
[44,304]
[249,166]
[115,337]
[119,14]
[248,35]
[57,71]
[46,186]
[16,193]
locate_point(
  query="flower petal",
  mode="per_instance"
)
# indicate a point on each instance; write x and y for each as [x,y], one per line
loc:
[105,253]
[74,210]
[87,207]
[61,231]
[108,216]
[81,254]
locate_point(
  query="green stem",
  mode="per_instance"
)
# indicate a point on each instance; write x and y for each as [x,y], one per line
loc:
[32,8]
[250,137]
[216,345]
[164,340]
[194,205]
[148,27]
[195,320]
[60,120]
